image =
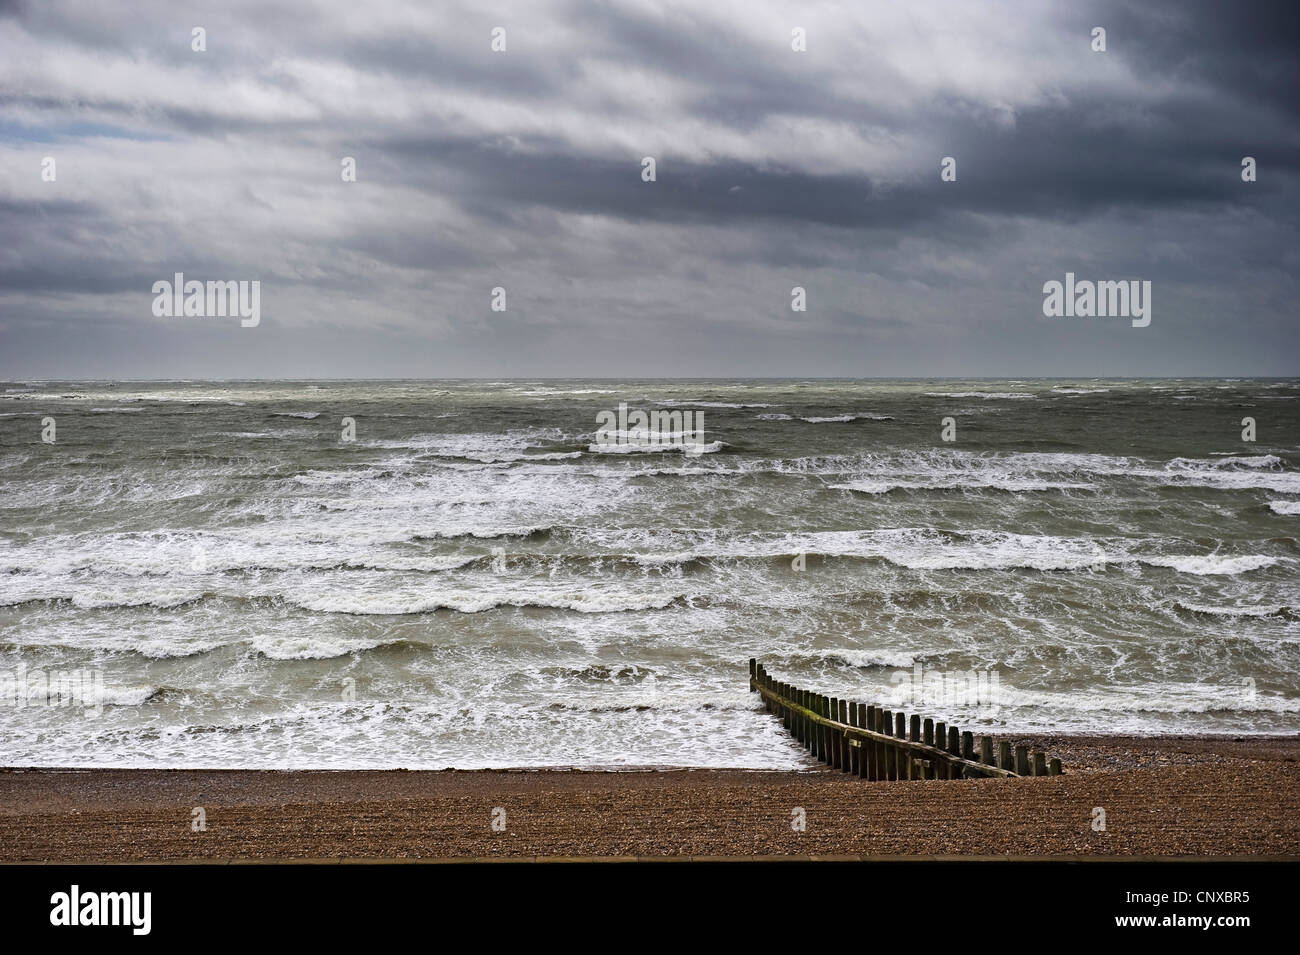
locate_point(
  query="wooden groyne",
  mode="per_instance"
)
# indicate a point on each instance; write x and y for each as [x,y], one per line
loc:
[875,743]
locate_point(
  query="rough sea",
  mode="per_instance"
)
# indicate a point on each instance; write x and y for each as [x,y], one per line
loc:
[474,581]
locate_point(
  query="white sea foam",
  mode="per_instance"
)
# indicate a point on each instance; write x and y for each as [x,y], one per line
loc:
[987,395]
[921,548]
[1275,610]
[1030,471]
[708,447]
[422,600]
[501,447]
[686,403]
[961,483]
[1231,461]
[1213,564]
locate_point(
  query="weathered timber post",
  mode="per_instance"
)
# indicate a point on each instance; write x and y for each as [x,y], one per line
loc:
[1022,760]
[887,728]
[823,709]
[855,752]
[841,715]
[873,750]
[904,757]
[914,734]
[846,752]
[832,756]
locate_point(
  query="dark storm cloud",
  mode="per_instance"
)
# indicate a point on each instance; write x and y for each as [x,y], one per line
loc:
[1247,51]
[1047,169]
[775,168]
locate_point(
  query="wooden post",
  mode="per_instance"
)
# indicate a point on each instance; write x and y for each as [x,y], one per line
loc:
[1040,764]
[796,721]
[954,747]
[967,746]
[833,750]
[830,736]
[841,715]
[873,750]
[887,727]
[940,740]
[914,734]
[1004,756]
[904,757]
[849,709]
[895,753]
[815,704]
[986,750]
[864,754]
[855,754]
[868,747]
[814,726]
[823,750]
[883,719]
[753,671]
[846,751]
[885,757]
[809,741]
[828,744]
[1054,767]
[1022,760]
[841,741]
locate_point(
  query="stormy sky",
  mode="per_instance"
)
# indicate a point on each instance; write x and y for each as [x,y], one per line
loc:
[523,169]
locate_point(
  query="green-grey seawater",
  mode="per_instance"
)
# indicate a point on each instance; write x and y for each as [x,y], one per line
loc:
[474,581]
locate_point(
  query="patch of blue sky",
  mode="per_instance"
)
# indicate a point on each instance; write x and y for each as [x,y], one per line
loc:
[17,133]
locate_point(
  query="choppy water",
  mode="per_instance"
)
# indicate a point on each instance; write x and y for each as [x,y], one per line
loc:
[497,591]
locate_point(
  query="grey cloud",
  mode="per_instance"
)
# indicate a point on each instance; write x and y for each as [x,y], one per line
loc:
[524,169]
